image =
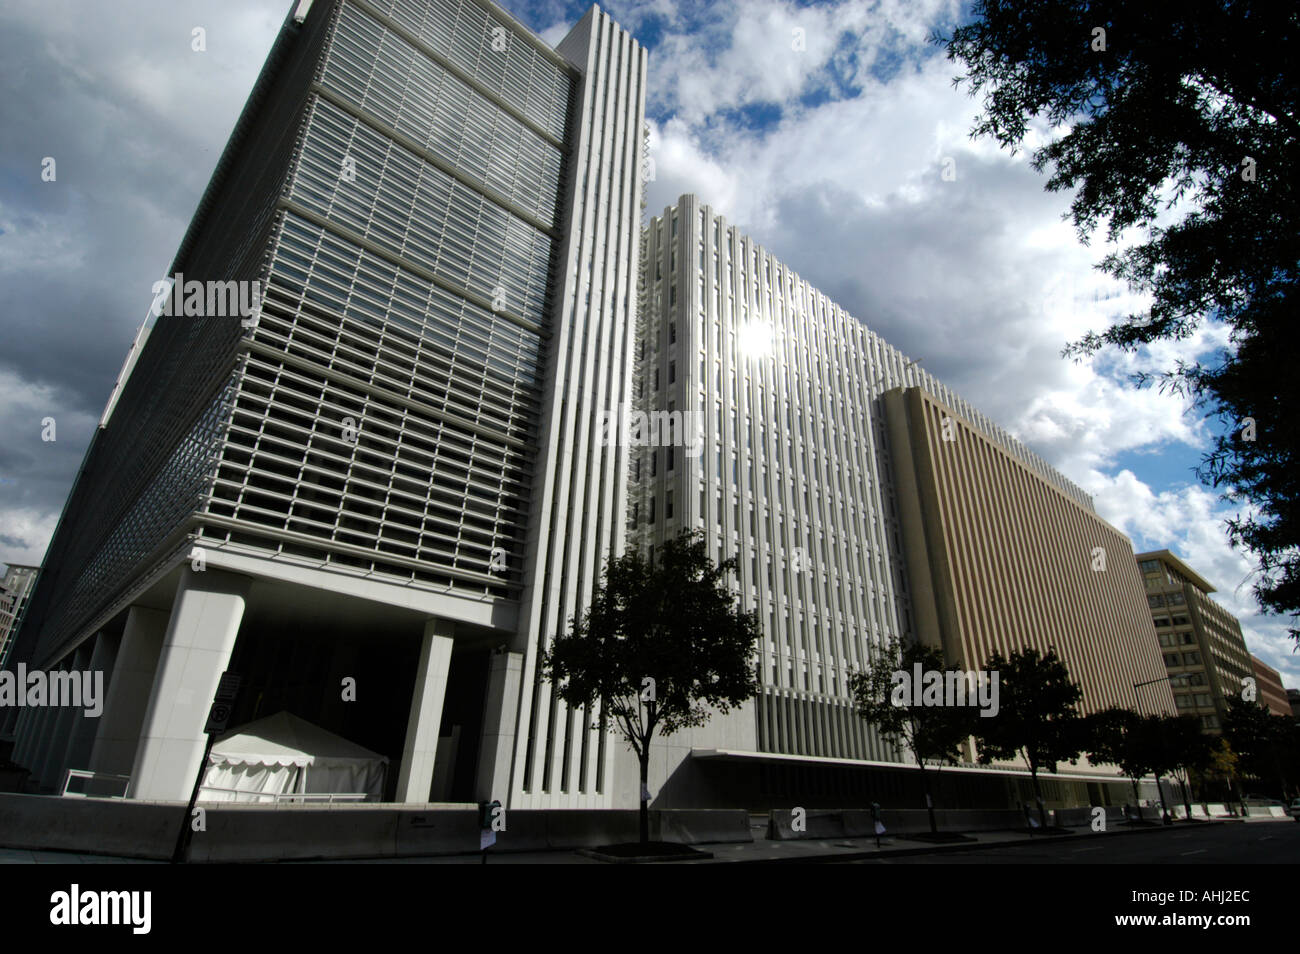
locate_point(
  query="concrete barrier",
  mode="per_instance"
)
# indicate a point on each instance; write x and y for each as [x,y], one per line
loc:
[858,822]
[1082,817]
[692,827]
[1277,811]
[245,833]
[96,826]
[255,833]
[1217,810]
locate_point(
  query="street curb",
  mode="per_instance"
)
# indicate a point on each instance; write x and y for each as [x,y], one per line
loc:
[946,849]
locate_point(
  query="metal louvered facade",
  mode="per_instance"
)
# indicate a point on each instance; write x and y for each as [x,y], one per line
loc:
[441,212]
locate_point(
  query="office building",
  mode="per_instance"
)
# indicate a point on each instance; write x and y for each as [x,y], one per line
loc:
[15,588]
[1201,642]
[818,459]
[373,494]
[1269,688]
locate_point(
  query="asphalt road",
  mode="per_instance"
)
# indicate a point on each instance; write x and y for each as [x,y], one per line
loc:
[1231,843]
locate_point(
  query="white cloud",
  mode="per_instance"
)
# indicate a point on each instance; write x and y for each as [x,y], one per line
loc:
[979,277]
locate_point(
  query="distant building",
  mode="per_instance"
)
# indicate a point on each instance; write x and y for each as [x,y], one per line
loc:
[1293,700]
[1204,651]
[15,588]
[1268,683]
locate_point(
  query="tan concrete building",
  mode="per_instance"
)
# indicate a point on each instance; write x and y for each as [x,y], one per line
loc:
[1201,642]
[1268,684]
[1000,559]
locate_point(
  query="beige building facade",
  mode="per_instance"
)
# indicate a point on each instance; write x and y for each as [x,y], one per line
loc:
[1200,642]
[1000,559]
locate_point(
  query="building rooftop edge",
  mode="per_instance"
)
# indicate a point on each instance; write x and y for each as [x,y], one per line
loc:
[1170,557]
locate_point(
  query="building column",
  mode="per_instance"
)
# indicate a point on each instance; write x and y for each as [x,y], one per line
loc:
[40,753]
[9,721]
[500,718]
[33,726]
[84,725]
[118,733]
[22,734]
[416,775]
[200,637]
[55,763]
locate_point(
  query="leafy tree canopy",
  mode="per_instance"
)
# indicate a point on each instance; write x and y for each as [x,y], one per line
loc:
[1178,120]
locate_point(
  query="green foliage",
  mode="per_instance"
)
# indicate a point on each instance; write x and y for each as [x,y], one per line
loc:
[1183,129]
[1267,746]
[928,732]
[1038,716]
[677,623]
[1116,739]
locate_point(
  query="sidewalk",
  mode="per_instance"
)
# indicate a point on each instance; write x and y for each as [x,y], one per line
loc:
[759,851]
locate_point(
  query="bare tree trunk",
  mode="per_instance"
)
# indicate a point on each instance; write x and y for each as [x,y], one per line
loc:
[1038,797]
[645,804]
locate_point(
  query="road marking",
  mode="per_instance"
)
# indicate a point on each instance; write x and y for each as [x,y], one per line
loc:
[1266,838]
[1198,851]
[1093,848]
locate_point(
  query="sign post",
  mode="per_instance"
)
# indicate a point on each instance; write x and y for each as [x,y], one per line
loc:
[218,718]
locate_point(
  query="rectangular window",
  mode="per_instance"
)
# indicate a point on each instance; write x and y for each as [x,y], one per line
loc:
[672,372]
[672,332]
[652,509]
[669,453]
[668,506]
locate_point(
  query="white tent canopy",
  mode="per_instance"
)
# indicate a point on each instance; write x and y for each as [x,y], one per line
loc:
[285,755]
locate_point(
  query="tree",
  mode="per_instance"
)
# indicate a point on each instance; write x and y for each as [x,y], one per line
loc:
[1038,718]
[660,646]
[1267,745]
[1157,734]
[927,731]
[1178,121]
[1191,751]
[1222,767]
[1115,739]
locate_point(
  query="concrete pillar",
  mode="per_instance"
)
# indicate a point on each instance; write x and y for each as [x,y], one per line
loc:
[200,637]
[31,741]
[56,763]
[416,776]
[22,735]
[118,733]
[84,725]
[41,749]
[9,721]
[500,718]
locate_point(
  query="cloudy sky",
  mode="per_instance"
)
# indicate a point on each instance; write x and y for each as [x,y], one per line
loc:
[831,155]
